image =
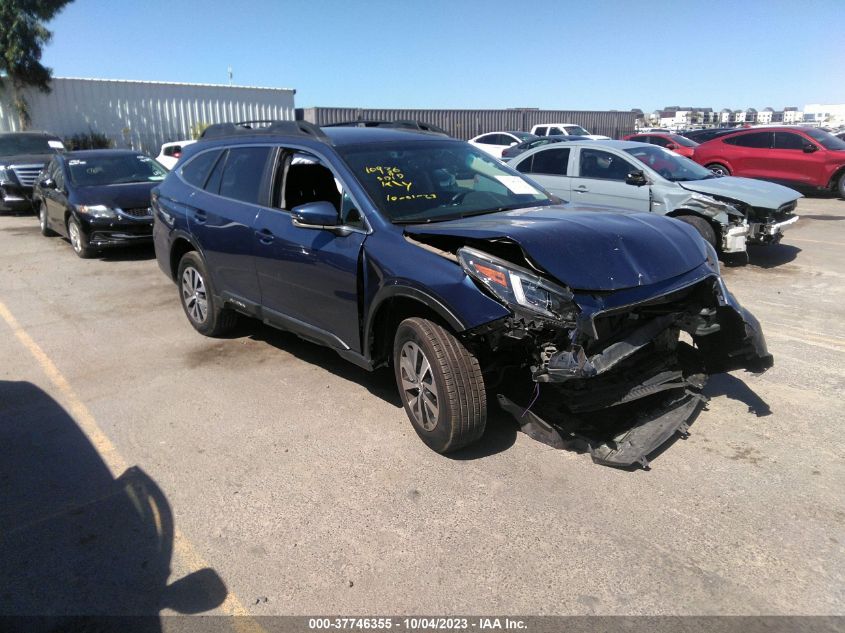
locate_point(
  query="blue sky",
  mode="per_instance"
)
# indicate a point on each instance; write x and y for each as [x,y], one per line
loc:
[582,55]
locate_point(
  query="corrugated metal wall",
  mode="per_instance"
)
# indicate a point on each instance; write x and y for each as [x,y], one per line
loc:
[468,123]
[144,114]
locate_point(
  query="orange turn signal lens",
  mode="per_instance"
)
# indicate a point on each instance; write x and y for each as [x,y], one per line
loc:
[493,275]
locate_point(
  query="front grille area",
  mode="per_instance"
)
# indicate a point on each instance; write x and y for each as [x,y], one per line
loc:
[27,174]
[140,212]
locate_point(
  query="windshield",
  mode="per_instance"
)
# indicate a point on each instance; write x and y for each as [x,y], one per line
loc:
[437,181]
[668,164]
[93,171]
[576,130]
[827,140]
[27,144]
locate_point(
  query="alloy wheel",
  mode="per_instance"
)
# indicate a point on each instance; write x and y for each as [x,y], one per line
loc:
[194,294]
[418,386]
[75,237]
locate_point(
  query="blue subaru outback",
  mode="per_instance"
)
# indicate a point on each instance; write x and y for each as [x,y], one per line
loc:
[413,250]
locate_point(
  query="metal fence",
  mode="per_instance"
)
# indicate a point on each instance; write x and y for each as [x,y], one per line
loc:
[468,123]
[144,114]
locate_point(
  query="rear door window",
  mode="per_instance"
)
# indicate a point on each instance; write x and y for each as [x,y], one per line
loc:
[552,161]
[243,173]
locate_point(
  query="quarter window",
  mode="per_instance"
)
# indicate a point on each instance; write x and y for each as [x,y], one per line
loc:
[243,173]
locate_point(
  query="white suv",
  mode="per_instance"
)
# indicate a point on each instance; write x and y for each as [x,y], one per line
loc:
[565,129]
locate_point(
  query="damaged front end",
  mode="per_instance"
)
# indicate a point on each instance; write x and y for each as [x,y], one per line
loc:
[617,373]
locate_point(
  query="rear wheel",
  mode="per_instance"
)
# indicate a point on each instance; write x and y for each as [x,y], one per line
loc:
[704,228]
[440,384]
[198,300]
[840,185]
[719,169]
[42,220]
[77,239]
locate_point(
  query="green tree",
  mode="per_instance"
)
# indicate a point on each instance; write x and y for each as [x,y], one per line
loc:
[22,36]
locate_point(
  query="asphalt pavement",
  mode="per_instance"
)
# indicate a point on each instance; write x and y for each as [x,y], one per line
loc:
[262,474]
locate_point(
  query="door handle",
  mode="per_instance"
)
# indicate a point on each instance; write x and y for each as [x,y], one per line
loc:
[265,236]
[581,190]
[199,216]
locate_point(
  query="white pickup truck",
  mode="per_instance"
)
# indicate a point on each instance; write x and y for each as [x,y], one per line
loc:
[565,129]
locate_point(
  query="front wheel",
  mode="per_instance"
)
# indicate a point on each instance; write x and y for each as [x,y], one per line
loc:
[840,185]
[198,300]
[704,228]
[77,239]
[719,169]
[441,386]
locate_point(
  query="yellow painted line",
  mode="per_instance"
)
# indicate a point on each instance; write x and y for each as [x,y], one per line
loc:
[117,464]
[804,239]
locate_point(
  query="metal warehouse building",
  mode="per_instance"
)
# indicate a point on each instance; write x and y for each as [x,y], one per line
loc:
[144,114]
[468,123]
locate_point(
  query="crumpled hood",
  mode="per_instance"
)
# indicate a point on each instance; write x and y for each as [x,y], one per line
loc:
[585,249]
[757,193]
[129,196]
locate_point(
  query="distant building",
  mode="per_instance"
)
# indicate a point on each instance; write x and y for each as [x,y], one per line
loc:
[144,114]
[765,115]
[792,115]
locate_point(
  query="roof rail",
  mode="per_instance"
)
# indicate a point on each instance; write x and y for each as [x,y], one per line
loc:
[402,124]
[249,128]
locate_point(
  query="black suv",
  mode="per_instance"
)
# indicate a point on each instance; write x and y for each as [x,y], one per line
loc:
[404,248]
[22,157]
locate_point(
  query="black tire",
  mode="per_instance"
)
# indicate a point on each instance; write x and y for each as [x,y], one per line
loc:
[459,393]
[840,185]
[196,294]
[719,168]
[704,228]
[78,241]
[46,231]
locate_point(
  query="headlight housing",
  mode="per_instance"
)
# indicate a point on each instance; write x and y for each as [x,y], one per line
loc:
[97,210]
[518,287]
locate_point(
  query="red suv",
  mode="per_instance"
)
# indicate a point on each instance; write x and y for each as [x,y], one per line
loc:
[674,142]
[796,156]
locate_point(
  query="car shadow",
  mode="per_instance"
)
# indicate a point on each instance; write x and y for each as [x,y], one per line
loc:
[137,253]
[736,389]
[500,433]
[80,547]
[771,255]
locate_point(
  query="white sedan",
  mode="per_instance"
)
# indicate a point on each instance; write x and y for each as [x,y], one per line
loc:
[494,143]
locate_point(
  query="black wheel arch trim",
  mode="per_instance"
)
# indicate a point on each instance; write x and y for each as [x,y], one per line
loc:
[394,291]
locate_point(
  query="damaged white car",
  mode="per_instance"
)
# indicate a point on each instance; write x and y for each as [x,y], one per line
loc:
[728,212]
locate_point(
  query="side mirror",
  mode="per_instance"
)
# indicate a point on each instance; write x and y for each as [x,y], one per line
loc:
[671,146]
[636,178]
[315,215]
[47,183]
[809,148]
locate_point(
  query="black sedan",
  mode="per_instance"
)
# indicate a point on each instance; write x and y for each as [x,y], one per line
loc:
[516,150]
[98,198]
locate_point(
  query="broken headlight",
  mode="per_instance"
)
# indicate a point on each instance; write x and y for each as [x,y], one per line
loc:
[517,286]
